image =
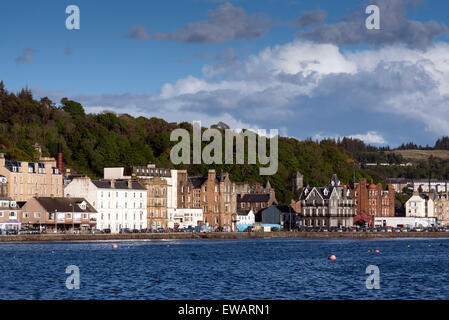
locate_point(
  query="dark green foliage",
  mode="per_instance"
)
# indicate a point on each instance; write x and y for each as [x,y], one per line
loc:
[94,141]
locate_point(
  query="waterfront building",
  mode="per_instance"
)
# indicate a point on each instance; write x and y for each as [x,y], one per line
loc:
[28,179]
[184,218]
[215,194]
[121,204]
[58,214]
[161,184]
[411,222]
[245,219]
[441,208]
[284,216]
[9,209]
[329,206]
[373,200]
[257,200]
[420,205]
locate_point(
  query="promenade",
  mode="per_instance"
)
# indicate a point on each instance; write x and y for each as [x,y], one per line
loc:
[220,236]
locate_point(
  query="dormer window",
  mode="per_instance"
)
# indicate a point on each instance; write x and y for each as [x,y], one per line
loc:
[326,192]
[82,205]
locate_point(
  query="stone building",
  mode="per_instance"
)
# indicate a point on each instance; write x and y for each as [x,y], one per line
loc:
[441,208]
[27,179]
[58,214]
[256,197]
[156,202]
[420,205]
[215,194]
[373,200]
[329,206]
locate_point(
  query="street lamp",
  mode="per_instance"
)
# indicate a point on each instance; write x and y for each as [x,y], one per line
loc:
[56,221]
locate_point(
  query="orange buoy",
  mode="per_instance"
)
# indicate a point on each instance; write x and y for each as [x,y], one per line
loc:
[114,246]
[377,251]
[332,257]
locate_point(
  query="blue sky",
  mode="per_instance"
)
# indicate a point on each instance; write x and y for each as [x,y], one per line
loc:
[307,68]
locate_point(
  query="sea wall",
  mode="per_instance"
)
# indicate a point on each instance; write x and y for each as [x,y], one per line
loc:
[221,236]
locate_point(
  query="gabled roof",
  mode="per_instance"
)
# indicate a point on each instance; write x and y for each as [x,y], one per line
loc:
[197,182]
[64,204]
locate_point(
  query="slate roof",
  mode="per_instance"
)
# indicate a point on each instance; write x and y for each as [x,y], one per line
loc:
[243,212]
[197,182]
[64,204]
[254,197]
[118,184]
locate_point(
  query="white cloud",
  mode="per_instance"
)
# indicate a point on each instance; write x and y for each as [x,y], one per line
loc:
[308,88]
[370,137]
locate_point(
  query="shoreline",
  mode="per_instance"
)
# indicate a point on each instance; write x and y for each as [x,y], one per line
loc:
[220,236]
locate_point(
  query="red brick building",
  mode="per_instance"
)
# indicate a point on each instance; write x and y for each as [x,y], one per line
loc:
[373,199]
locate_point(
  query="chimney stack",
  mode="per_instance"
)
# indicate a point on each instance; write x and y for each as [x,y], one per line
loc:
[60,157]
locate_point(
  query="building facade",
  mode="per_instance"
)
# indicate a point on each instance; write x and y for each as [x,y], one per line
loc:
[256,198]
[120,204]
[28,179]
[9,209]
[330,206]
[245,219]
[215,194]
[58,214]
[184,218]
[441,208]
[420,205]
[161,184]
[373,200]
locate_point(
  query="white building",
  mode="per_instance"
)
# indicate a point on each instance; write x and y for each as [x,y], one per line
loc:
[420,205]
[120,204]
[404,221]
[245,217]
[184,217]
[424,185]
[149,172]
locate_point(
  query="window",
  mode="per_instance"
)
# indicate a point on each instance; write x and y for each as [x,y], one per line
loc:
[25,215]
[1,214]
[12,214]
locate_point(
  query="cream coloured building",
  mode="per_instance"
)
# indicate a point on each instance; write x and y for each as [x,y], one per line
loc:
[28,179]
[420,205]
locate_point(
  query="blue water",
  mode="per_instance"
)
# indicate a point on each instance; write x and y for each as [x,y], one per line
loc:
[230,269]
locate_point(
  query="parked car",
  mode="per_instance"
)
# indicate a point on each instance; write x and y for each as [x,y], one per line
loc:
[136,231]
[160,230]
[11,232]
[96,231]
[125,230]
[106,231]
